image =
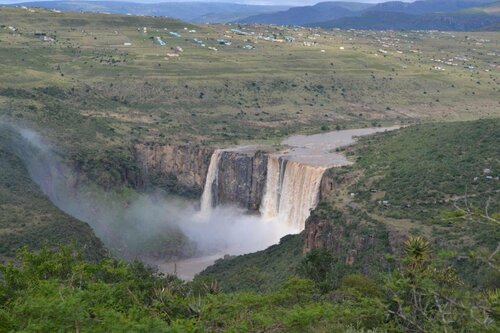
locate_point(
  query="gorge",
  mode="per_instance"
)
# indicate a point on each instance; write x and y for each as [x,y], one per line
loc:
[252,196]
[288,184]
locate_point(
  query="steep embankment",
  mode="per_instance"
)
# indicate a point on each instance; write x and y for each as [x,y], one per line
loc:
[438,181]
[180,169]
[27,217]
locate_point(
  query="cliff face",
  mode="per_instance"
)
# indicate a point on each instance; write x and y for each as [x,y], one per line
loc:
[183,169]
[350,234]
[242,177]
[340,238]
[352,239]
[241,173]
[178,168]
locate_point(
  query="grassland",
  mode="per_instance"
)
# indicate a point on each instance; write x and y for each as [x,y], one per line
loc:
[100,83]
[142,92]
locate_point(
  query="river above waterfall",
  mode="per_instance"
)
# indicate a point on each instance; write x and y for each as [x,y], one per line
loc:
[320,149]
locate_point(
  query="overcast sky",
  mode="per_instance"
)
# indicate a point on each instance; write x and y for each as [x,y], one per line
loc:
[259,2]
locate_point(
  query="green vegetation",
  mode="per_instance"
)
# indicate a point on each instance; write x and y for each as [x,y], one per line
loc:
[260,271]
[417,214]
[420,169]
[436,180]
[60,291]
[28,218]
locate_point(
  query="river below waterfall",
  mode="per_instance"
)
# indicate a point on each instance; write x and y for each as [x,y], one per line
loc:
[186,269]
[293,179]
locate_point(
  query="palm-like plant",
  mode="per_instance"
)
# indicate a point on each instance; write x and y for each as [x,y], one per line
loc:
[418,252]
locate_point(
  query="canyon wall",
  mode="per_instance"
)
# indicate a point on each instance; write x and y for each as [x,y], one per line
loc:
[354,239]
[241,178]
[182,169]
[178,168]
[247,177]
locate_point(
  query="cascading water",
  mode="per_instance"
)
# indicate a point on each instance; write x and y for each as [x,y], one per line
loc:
[292,190]
[270,199]
[299,193]
[207,198]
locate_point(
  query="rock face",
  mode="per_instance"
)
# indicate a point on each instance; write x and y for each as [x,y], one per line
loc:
[241,178]
[353,241]
[337,237]
[180,168]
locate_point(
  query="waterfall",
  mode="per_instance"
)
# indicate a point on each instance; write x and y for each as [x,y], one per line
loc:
[291,191]
[211,183]
[270,199]
[299,192]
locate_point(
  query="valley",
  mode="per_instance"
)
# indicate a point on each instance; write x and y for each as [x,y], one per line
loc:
[166,176]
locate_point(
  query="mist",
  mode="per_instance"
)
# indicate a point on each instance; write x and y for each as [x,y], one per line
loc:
[149,226]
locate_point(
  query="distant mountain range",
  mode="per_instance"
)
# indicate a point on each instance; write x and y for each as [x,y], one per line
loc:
[452,15]
[425,15]
[323,11]
[403,21]
[460,16]
[197,12]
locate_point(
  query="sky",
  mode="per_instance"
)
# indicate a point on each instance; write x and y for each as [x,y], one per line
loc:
[256,2]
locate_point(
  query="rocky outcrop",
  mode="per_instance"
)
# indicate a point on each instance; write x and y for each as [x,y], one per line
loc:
[182,169]
[333,179]
[241,178]
[353,241]
[178,168]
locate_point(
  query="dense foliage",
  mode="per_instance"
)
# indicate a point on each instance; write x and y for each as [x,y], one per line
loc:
[51,291]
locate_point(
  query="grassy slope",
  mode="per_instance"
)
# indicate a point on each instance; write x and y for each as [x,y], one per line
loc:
[234,94]
[28,218]
[429,174]
[263,270]
[421,170]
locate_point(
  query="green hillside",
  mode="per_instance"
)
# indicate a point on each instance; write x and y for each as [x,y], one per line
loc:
[28,218]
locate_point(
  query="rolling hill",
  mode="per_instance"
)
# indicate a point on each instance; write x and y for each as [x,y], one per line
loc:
[361,15]
[402,21]
[322,11]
